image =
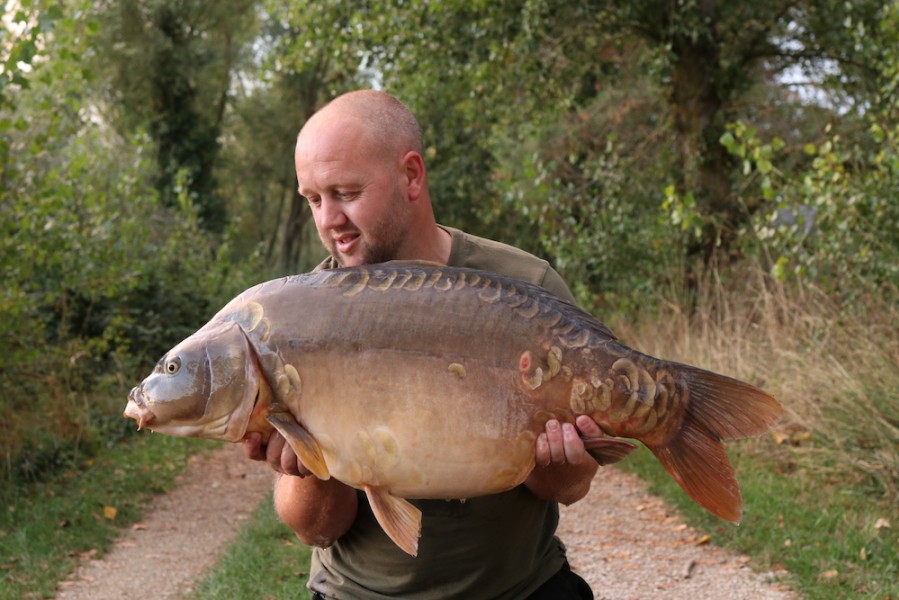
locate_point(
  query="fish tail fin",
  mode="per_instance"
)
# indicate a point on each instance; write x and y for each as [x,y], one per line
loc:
[719,408]
[698,463]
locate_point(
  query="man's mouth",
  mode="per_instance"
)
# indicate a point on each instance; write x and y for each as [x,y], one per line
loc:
[345,242]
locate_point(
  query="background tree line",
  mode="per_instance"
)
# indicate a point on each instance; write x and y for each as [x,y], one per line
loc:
[146,161]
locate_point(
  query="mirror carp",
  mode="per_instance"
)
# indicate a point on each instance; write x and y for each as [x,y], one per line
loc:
[415,380]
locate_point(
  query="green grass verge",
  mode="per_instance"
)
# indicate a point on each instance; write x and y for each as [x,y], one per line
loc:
[266,561]
[45,527]
[822,536]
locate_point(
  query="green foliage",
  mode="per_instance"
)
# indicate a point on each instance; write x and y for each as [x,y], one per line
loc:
[569,178]
[169,66]
[836,220]
[98,278]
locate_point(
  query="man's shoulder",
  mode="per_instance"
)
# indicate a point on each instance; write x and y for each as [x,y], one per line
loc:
[473,252]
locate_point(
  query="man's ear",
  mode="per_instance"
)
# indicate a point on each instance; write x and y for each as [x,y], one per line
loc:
[413,174]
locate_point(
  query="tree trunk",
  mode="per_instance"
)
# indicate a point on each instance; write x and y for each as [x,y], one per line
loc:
[698,107]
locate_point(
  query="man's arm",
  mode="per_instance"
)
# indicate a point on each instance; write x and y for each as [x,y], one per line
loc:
[564,470]
[318,511]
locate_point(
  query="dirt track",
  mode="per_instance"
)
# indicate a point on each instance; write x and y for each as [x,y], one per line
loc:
[626,543]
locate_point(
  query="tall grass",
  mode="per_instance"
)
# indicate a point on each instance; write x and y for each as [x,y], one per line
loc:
[820,492]
[834,366]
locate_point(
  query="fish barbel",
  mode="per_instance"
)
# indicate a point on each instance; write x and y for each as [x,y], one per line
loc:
[412,380]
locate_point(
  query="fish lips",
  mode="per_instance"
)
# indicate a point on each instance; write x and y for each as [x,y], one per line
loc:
[136,409]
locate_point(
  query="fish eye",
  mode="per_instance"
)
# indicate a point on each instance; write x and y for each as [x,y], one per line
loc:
[172,365]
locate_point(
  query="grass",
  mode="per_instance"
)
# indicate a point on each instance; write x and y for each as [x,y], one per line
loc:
[821,492]
[818,537]
[45,527]
[266,561]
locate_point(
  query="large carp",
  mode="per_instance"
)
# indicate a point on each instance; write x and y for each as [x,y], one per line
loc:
[412,380]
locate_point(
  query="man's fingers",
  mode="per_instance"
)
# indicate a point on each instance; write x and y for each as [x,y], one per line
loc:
[555,438]
[574,445]
[543,458]
[588,427]
[563,443]
[252,446]
[291,464]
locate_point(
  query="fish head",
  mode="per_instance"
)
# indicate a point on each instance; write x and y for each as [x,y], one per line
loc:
[206,387]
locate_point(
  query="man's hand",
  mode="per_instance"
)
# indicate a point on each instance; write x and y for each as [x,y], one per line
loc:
[564,469]
[277,453]
[318,511]
[562,443]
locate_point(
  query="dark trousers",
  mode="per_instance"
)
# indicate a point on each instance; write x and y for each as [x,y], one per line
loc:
[564,585]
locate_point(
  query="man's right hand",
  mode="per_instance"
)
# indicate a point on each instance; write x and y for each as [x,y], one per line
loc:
[319,511]
[277,453]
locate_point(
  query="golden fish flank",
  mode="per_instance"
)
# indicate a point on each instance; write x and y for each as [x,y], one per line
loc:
[314,350]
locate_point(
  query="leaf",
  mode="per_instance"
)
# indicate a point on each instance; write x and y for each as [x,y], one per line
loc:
[110,512]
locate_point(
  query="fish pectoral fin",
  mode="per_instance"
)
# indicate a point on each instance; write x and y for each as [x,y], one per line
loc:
[400,520]
[606,450]
[302,443]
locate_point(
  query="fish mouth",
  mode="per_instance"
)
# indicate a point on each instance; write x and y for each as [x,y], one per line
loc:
[137,410]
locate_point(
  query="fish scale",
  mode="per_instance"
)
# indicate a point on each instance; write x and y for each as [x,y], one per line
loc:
[416,380]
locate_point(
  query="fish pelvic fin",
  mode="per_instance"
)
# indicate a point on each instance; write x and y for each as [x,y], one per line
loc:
[607,450]
[719,408]
[399,518]
[301,441]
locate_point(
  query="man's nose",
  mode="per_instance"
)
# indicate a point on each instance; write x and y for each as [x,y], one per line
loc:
[331,214]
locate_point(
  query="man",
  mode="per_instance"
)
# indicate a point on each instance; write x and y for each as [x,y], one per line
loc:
[359,165]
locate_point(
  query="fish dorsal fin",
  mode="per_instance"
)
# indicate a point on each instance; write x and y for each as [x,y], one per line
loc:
[400,520]
[607,451]
[301,441]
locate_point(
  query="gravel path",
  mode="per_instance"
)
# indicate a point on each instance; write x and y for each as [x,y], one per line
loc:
[626,543]
[181,535]
[630,545]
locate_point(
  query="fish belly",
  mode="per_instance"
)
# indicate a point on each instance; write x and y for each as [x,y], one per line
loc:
[419,426]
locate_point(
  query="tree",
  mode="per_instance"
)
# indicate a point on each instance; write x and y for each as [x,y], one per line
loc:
[171,64]
[514,74]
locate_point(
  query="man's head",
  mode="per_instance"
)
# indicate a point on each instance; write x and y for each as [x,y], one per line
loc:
[359,165]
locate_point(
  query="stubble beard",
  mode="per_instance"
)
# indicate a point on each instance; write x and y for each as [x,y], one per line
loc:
[384,239]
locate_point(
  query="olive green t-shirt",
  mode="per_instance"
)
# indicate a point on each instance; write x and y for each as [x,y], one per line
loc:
[501,546]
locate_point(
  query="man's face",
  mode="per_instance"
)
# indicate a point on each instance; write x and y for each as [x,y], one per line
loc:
[359,208]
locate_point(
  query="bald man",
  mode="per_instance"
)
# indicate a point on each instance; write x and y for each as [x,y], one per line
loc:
[359,166]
